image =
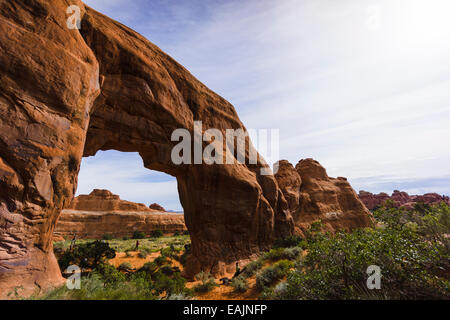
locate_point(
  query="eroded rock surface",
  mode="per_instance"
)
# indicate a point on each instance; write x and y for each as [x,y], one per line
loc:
[157,207]
[65,94]
[105,200]
[102,212]
[313,196]
[118,224]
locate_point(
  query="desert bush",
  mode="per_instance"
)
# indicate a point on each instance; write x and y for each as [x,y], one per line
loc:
[282,253]
[239,284]
[207,282]
[410,249]
[251,268]
[88,255]
[287,242]
[157,233]
[142,254]
[167,270]
[138,235]
[93,287]
[107,236]
[110,274]
[272,273]
[161,260]
[125,266]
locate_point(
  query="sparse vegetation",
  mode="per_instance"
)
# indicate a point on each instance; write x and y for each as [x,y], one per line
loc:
[157,233]
[239,284]
[138,235]
[410,247]
[207,282]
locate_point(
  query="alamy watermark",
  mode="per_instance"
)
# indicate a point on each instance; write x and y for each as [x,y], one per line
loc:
[74,280]
[74,20]
[374,279]
[235,147]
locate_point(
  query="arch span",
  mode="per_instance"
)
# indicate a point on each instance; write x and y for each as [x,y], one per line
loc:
[66,94]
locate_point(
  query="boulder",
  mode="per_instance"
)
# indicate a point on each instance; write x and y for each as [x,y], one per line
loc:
[157,207]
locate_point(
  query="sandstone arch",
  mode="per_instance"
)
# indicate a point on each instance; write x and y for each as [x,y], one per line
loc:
[65,94]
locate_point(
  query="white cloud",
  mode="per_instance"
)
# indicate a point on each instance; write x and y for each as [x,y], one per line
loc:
[364,101]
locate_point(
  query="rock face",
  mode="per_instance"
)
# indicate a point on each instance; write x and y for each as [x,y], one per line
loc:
[119,224]
[101,212]
[52,114]
[312,196]
[400,199]
[157,207]
[104,200]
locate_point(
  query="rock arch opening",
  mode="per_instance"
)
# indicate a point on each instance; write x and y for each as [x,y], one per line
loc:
[117,197]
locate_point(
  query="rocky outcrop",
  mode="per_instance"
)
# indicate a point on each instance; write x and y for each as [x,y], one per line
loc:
[102,212]
[67,93]
[400,199]
[119,224]
[104,200]
[313,196]
[157,207]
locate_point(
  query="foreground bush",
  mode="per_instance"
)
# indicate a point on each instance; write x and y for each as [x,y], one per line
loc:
[88,255]
[273,273]
[138,235]
[207,282]
[411,248]
[239,284]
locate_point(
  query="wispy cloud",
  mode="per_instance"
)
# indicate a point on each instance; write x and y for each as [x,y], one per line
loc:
[362,86]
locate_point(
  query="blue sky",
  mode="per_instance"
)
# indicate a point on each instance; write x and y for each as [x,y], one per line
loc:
[362,86]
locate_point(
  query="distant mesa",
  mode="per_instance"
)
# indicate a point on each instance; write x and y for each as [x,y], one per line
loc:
[157,207]
[400,199]
[102,212]
[105,200]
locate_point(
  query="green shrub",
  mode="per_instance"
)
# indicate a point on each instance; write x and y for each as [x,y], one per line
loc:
[207,282]
[410,248]
[88,255]
[288,242]
[125,266]
[272,273]
[157,233]
[282,253]
[251,268]
[239,284]
[107,236]
[138,235]
[167,270]
[93,287]
[110,274]
[161,260]
[142,254]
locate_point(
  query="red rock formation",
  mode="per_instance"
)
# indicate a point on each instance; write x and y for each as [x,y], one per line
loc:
[104,200]
[157,207]
[400,199]
[95,224]
[92,216]
[312,196]
[52,114]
